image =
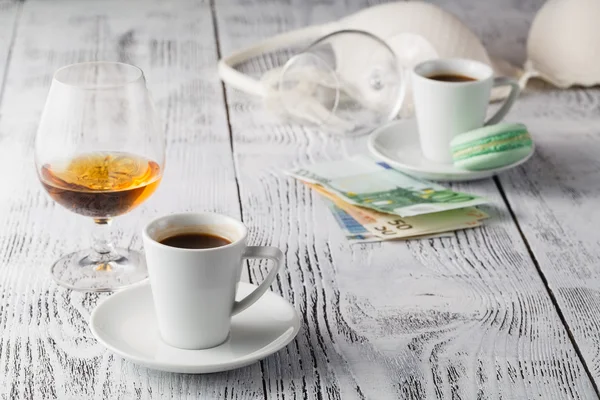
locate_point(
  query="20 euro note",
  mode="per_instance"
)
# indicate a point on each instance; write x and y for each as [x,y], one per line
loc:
[364,182]
[390,226]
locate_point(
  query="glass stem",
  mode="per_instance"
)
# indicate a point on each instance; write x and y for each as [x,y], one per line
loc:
[102,246]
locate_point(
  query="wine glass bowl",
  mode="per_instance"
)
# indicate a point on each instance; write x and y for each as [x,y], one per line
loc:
[101,185]
[99,153]
[347,83]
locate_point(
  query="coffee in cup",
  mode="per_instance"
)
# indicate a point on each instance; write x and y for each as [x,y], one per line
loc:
[195,262]
[451,78]
[451,96]
[195,240]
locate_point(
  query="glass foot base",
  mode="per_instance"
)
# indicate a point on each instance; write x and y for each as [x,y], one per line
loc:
[119,269]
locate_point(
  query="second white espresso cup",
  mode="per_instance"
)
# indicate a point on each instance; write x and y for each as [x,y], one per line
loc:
[445,109]
[194,289]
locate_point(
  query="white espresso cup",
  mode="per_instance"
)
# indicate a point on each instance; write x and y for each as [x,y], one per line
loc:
[194,289]
[445,109]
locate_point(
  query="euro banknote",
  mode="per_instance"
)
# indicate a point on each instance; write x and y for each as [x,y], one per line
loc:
[359,220]
[365,182]
[356,233]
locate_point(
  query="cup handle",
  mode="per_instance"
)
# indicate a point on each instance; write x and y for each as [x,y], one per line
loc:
[514,92]
[268,252]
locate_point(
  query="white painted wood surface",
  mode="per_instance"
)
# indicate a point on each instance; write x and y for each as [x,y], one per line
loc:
[452,318]
[555,200]
[456,318]
[9,14]
[46,348]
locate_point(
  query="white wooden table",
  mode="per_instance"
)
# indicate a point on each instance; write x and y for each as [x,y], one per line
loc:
[507,311]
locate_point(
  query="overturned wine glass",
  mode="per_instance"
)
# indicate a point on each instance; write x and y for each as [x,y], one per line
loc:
[347,83]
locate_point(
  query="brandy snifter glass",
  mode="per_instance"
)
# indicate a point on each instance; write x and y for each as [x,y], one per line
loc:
[99,152]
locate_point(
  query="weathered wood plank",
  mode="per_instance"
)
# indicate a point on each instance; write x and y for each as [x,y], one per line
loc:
[454,318]
[555,200]
[9,16]
[554,196]
[46,349]
[465,317]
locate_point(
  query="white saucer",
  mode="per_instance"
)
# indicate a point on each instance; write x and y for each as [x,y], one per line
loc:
[397,143]
[125,323]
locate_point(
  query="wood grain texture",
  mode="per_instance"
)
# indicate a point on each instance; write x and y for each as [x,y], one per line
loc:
[9,16]
[555,200]
[461,318]
[46,349]
[554,196]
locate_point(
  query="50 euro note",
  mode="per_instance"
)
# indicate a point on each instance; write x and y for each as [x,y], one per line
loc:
[362,181]
[356,233]
[389,226]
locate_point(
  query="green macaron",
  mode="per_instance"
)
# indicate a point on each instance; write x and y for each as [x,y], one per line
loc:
[492,146]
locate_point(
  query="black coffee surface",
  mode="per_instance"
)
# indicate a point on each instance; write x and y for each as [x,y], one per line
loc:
[195,241]
[451,78]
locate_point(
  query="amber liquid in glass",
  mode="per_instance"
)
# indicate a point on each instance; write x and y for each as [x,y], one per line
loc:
[103,184]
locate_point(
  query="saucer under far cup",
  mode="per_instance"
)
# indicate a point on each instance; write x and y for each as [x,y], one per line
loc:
[397,143]
[125,323]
